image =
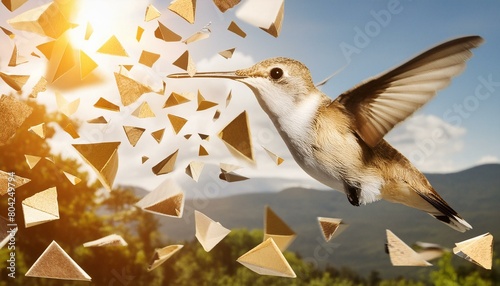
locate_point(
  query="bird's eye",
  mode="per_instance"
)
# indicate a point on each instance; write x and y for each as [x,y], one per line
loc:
[276,73]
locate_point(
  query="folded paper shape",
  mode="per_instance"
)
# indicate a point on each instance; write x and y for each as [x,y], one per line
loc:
[231,177]
[202,151]
[133,134]
[233,27]
[164,33]
[205,137]
[148,58]
[167,199]
[14,113]
[204,104]
[14,80]
[138,33]
[71,130]
[8,33]
[16,59]
[88,31]
[216,115]
[227,54]
[40,86]
[204,33]
[227,168]
[105,104]
[331,227]
[87,65]
[225,5]
[158,134]
[113,47]
[129,89]
[401,254]
[14,180]
[236,135]
[208,232]
[177,122]
[38,129]
[277,229]
[184,8]
[144,159]
[151,13]
[46,48]
[267,15]
[57,264]
[98,120]
[267,259]
[478,250]
[32,160]
[163,254]
[166,165]
[65,107]
[277,159]
[72,179]
[40,208]
[194,170]
[175,99]
[103,158]
[186,63]
[110,240]
[12,5]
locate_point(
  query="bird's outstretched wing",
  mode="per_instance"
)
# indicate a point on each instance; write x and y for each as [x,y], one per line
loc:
[385,100]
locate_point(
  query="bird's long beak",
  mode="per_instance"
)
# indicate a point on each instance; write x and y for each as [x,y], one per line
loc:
[229,75]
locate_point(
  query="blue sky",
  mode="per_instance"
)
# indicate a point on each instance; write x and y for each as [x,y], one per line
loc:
[441,137]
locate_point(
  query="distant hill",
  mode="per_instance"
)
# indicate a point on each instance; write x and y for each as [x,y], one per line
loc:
[474,193]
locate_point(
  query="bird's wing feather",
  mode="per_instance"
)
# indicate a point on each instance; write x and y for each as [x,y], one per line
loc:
[383,101]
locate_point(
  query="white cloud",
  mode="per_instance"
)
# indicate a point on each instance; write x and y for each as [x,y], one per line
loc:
[428,142]
[488,159]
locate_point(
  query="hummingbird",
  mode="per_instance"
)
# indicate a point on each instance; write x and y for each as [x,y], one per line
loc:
[343,139]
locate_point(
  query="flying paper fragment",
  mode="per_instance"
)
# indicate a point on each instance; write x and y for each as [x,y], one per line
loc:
[231,177]
[15,59]
[14,113]
[6,231]
[236,29]
[175,99]
[331,227]
[148,58]
[167,199]
[57,264]
[38,130]
[225,5]
[66,107]
[277,229]
[163,254]
[72,179]
[144,159]
[104,104]
[130,90]
[203,103]
[40,86]
[34,55]
[208,232]
[138,34]
[113,47]
[71,130]
[227,53]
[63,58]
[186,63]
[98,120]
[103,158]
[187,136]
[177,122]
[40,208]
[110,240]
[204,136]
[202,151]
[478,250]
[194,170]
[429,251]
[88,31]
[10,180]
[401,254]
[166,165]
[143,111]
[32,160]
[133,134]
[8,33]
[158,134]
[151,13]
[12,5]
[267,259]
[227,168]
[164,33]
[216,115]
[204,33]
[15,81]
[236,136]
[267,15]
[87,65]
[277,159]
[46,20]
[184,8]
[46,48]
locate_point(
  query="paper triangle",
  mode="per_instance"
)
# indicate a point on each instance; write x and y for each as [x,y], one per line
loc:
[227,168]
[148,58]
[103,158]
[65,107]
[110,240]
[166,165]
[98,120]
[202,151]
[71,130]
[175,99]
[166,34]
[158,134]
[177,122]
[87,65]
[401,254]
[143,111]
[331,227]
[113,47]
[38,130]
[277,159]
[144,159]
[478,250]
[133,134]
[88,31]
[32,160]
[46,49]
[72,179]
[204,33]
[15,81]
[8,33]
[184,8]
[208,232]
[57,264]
[151,13]
[267,259]
[105,104]
[166,199]
[194,170]
[163,254]
[14,180]
[12,5]
[138,34]
[236,135]
[186,63]
[130,90]
[276,228]
[231,177]
[15,59]
[227,54]
[236,29]
[40,208]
